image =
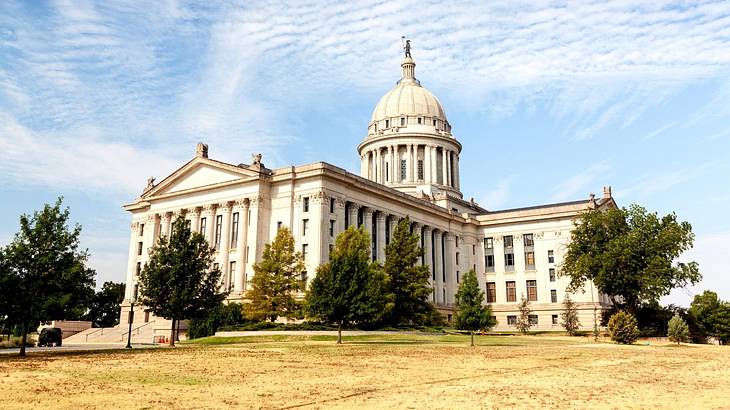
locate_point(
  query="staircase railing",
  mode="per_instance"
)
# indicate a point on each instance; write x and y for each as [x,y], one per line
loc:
[136,329]
[94,332]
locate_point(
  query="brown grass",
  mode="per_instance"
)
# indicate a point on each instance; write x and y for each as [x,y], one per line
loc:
[375,372]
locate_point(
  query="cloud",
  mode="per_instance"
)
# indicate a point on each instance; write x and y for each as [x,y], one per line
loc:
[662,181]
[498,196]
[660,130]
[578,185]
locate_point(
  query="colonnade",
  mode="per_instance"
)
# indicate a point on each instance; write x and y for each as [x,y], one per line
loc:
[438,165]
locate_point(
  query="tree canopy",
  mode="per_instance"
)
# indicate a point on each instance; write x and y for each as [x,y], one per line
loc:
[569,316]
[179,282]
[43,272]
[409,281]
[472,315]
[276,280]
[629,254]
[104,310]
[350,288]
[712,316]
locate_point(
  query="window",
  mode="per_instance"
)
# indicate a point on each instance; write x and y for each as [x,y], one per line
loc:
[218,228]
[529,239]
[473,249]
[387,123]
[234,230]
[305,248]
[457,276]
[555,319]
[532,290]
[489,254]
[509,261]
[443,299]
[511,320]
[420,169]
[135,292]
[305,225]
[402,170]
[511,292]
[402,122]
[332,205]
[332,247]
[554,296]
[488,243]
[551,257]
[533,320]
[139,248]
[141,229]
[489,263]
[332,228]
[491,292]
[420,120]
[552,274]
[529,260]
[387,172]
[231,273]
[508,241]
[278,226]
[457,243]
[203,225]
[305,204]
[457,258]
[246,256]
[139,268]
[303,279]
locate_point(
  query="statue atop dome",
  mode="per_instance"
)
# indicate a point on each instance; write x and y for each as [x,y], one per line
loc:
[408,48]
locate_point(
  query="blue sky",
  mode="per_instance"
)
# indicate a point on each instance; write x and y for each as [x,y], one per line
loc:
[551,101]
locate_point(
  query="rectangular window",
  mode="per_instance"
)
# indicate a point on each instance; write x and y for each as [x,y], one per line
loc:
[529,260]
[402,170]
[305,248]
[141,229]
[218,229]
[139,268]
[552,274]
[473,249]
[551,257]
[303,279]
[489,263]
[555,319]
[509,262]
[533,320]
[332,247]
[234,230]
[489,254]
[387,123]
[488,243]
[457,276]
[457,258]
[457,241]
[332,205]
[139,248]
[305,204]
[511,292]
[420,120]
[532,290]
[511,320]
[278,226]
[135,292]
[554,296]
[491,292]
[529,239]
[231,273]
[332,228]
[402,122]
[246,256]
[420,169]
[508,241]
[203,225]
[305,225]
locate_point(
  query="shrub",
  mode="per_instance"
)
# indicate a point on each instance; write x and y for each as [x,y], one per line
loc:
[623,328]
[677,330]
[230,314]
[569,316]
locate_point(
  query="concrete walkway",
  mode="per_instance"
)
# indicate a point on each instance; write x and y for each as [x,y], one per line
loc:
[76,348]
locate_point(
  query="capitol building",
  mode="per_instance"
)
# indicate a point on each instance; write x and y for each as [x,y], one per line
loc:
[409,166]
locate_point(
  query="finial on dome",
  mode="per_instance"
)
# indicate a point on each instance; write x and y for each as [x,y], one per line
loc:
[408,65]
[407,48]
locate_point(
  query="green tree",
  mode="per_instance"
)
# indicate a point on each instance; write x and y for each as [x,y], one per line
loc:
[677,330]
[623,328]
[409,282]
[472,314]
[104,310]
[523,320]
[569,316]
[629,255]
[276,280]
[226,314]
[44,275]
[711,315]
[350,288]
[178,282]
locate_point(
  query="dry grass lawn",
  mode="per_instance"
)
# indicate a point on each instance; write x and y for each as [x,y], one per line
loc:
[401,371]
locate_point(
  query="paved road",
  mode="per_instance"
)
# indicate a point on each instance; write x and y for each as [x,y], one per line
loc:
[77,348]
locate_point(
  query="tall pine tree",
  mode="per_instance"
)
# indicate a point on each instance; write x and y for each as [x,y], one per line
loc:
[276,281]
[409,282]
[350,288]
[178,281]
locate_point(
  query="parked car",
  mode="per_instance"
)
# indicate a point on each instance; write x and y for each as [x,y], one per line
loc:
[50,336]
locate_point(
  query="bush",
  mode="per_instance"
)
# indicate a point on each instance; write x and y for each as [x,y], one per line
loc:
[623,328]
[15,342]
[677,330]
[254,326]
[225,315]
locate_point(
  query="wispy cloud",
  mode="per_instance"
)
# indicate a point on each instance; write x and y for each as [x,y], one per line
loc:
[662,181]
[660,130]
[499,195]
[579,184]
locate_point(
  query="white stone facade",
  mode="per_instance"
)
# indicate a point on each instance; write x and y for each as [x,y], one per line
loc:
[409,168]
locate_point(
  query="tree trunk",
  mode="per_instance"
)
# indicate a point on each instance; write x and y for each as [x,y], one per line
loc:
[172,334]
[23,338]
[472,338]
[339,332]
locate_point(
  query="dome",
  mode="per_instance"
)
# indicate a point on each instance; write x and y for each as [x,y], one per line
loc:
[408,98]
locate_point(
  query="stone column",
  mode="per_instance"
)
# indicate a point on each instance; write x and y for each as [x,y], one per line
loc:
[224,208]
[432,165]
[427,253]
[194,215]
[449,182]
[132,260]
[380,221]
[444,168]
[457,183]
[414,163]
[393,224]
[241,206]
[340,210]
[352,217]
[438,265]
[451,267]
[417,231]
[257,236]
[165,224]
[409,163]
[209,215]
[391,171]
[378,166]
[367,221]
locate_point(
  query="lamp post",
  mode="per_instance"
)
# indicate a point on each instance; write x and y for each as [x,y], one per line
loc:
[131,319]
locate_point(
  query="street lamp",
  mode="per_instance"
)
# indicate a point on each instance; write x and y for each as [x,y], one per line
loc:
[131,318]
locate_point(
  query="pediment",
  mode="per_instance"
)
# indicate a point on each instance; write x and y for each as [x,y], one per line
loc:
[199,173]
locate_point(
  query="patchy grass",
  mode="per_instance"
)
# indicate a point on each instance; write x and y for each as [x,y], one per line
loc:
[374,371]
